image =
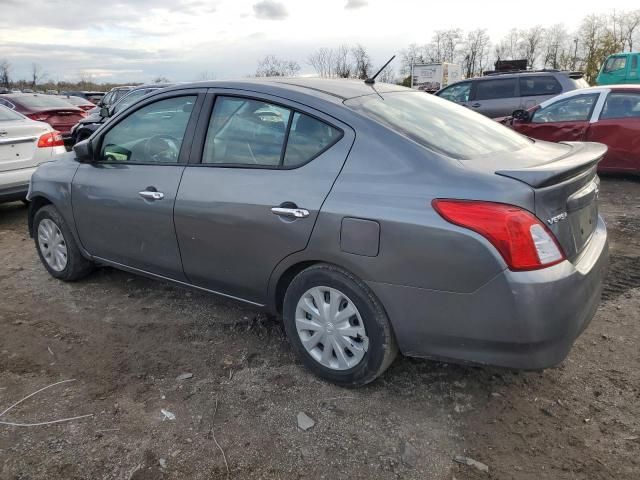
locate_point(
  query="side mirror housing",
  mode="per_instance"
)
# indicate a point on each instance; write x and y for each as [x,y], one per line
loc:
[84,151]
[104,112]
[521,115]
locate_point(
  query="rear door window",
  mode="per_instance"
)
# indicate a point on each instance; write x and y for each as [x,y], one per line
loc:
[249,132]
[539,85]
[574,109]
[495,88]
[621,105]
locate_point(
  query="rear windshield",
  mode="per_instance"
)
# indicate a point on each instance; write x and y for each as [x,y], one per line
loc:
[43,102]
[439,124]
[7,115]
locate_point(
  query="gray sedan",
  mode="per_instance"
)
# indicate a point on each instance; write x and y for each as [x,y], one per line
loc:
[372,218]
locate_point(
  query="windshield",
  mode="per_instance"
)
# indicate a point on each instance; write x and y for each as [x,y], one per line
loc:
[130,99]
[42,102]
[7,115]
[439,124]
[615,63]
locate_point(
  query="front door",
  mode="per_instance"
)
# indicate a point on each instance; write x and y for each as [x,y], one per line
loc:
[123,201]
[264,168]
[567,119]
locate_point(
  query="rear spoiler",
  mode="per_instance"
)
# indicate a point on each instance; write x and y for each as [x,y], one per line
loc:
[576,75]
[582,157]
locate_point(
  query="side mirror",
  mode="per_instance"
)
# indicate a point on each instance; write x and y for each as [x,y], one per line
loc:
[521,115]
[84,151]
[104,112]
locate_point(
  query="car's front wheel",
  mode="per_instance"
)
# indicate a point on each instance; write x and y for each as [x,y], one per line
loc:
[337,326]
[56,246]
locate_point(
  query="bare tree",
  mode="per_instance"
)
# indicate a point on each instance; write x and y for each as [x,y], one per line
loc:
[342,66]
[531,43]
[509,46]
[37,74]
[361,61]
[322,61]
[591,31]
[476,52]
[272,66]
[630,28]
[412,55]
[387,75]
[5,70]
[555,47]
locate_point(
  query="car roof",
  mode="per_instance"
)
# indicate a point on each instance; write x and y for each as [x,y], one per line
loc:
[341,89]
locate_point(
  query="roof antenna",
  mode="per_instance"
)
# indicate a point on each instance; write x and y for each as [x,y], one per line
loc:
[372,80]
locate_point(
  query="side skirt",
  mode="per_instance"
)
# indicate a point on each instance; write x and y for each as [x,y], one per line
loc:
[154,276]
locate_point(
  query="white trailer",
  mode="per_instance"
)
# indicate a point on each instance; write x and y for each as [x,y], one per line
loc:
[431,77]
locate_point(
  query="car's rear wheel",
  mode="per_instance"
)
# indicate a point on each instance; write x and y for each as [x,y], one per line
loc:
[337,326]
[56,246]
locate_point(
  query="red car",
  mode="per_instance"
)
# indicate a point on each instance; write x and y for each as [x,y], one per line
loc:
[608,114]
[58,113]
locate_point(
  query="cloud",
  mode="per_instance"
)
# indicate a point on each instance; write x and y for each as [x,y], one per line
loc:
[355,4]
[270,10]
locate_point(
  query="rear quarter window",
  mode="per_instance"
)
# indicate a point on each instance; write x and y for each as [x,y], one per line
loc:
[539,85]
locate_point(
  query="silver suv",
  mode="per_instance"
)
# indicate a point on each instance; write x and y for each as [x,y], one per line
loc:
[499,94]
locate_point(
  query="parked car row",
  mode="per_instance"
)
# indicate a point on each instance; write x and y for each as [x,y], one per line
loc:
[56,111]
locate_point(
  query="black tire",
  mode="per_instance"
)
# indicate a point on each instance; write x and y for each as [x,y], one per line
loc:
[382,348]
[77,266]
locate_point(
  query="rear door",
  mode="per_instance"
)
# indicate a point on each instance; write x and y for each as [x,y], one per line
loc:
[619,128]
[123,201]
[564,120]
[260,170]
[495,97]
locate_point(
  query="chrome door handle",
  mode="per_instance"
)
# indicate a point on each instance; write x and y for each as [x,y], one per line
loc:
[290,212]
[146,194]
[476,105]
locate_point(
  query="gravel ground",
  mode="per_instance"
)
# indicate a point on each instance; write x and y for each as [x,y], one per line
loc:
[125,340]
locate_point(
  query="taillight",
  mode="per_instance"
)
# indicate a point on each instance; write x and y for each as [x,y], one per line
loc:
[38,117]
[51,139]
[522,240]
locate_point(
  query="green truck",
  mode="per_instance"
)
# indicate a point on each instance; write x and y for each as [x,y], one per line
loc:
[620,68]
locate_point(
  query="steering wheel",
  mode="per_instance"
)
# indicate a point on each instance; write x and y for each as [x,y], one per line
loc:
[162,149]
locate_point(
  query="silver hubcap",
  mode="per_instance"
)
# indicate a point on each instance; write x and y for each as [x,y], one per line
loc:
[52,245]
[330,328]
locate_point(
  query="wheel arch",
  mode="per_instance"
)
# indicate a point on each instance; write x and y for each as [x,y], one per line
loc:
[36,202]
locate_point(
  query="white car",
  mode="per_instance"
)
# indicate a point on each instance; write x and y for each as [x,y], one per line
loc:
[24,144]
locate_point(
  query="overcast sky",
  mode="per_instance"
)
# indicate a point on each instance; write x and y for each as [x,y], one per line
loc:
[138,40]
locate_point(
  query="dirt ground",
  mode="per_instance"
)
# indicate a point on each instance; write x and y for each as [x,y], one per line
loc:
[125,340]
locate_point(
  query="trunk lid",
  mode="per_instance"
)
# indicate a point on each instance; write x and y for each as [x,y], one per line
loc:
[61,120]
[564,182]
[18,143]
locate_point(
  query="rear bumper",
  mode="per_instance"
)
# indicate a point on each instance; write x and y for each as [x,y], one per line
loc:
[15,184]
[525,320]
